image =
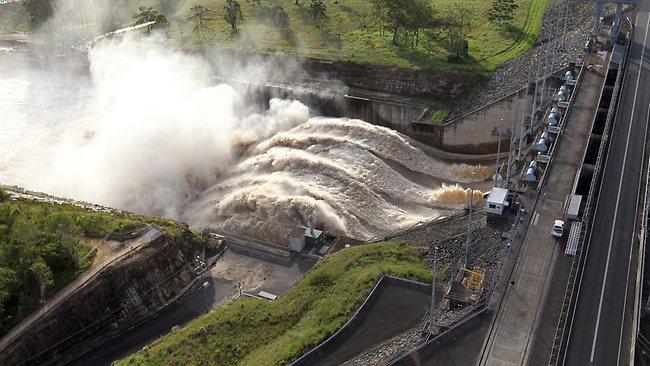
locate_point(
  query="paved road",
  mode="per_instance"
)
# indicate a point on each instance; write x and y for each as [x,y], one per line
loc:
[395,308]
[190,306]
[600,332]
[150,235]
[280,278]
[511,336]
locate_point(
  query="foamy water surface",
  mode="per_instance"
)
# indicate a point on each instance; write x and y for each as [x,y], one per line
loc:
[145,131]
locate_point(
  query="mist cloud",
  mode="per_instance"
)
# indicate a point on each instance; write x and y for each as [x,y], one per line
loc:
[147,129]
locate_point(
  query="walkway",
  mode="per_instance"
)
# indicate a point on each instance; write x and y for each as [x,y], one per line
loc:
[516,319]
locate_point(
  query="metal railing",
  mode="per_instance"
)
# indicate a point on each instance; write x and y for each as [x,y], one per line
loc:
[561,338]
[482,307]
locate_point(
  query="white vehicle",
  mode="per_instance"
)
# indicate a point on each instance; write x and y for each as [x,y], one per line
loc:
[558,229]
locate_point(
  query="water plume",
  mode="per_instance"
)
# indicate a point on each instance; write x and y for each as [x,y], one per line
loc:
[465,171]
[455,194]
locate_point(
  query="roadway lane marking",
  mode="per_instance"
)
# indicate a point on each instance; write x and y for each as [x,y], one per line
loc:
[591,232]
[618,197]
[629,261]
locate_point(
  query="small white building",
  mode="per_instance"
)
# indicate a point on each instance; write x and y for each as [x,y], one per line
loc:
[303,236]
[297,236]
[497,201]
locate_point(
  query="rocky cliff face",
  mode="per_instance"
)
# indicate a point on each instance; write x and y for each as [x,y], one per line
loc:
[336,76]
[410,83]
[120,296]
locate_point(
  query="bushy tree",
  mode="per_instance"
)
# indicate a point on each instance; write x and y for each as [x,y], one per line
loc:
[198,17]
[38,10]
[233,14]
[149,14]
[455,26]
[318,10]
[8,283]
[43,275]
[403,15]
[281,19]
[501,12]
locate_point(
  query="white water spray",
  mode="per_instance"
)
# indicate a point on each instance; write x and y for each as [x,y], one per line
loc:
[148,132]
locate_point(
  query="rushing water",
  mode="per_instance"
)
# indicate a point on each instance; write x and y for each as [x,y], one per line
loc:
[145,130]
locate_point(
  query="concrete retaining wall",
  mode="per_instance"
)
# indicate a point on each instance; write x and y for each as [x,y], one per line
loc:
[393,306]
[468,134]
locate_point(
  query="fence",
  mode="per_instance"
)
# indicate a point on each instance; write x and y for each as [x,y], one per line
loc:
[483,308]
[561,337]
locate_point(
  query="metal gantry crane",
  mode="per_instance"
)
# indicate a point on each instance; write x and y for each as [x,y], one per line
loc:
[599,11]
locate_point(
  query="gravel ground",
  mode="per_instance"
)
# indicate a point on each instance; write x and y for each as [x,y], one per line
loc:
[385,352]
[513,74]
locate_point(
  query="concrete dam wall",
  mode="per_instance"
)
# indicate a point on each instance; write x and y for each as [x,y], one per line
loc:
[469,134]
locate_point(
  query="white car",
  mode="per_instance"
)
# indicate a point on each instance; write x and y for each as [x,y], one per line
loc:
[558,229]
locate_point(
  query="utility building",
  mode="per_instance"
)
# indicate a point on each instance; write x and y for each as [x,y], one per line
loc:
[497,201]
[313,237]
[297,236]
[302,237]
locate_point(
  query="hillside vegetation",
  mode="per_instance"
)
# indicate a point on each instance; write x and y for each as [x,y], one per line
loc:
[44,246]
[351,30]
[259,332]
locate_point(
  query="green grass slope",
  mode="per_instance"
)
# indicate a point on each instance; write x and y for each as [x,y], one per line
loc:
[350,32]
[360,38]
[259,332]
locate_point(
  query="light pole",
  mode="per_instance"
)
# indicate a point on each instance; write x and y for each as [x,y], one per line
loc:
[205,285]
[433,289]
[498,131]
[515,111]
[469,221]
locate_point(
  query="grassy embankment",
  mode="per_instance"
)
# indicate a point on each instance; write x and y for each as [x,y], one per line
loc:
[259,332]
[43,247]
[361,39]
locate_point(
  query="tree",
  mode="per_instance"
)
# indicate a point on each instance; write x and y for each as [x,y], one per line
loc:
[317,9]
[456,25]
[68,239]
[281,19]
[255,2]
[501,12]
[38,11]
[43,275]
[420,16]
[149,14]
[233,14]
[198,17]
[8,282]
[431,38]
[398,15]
